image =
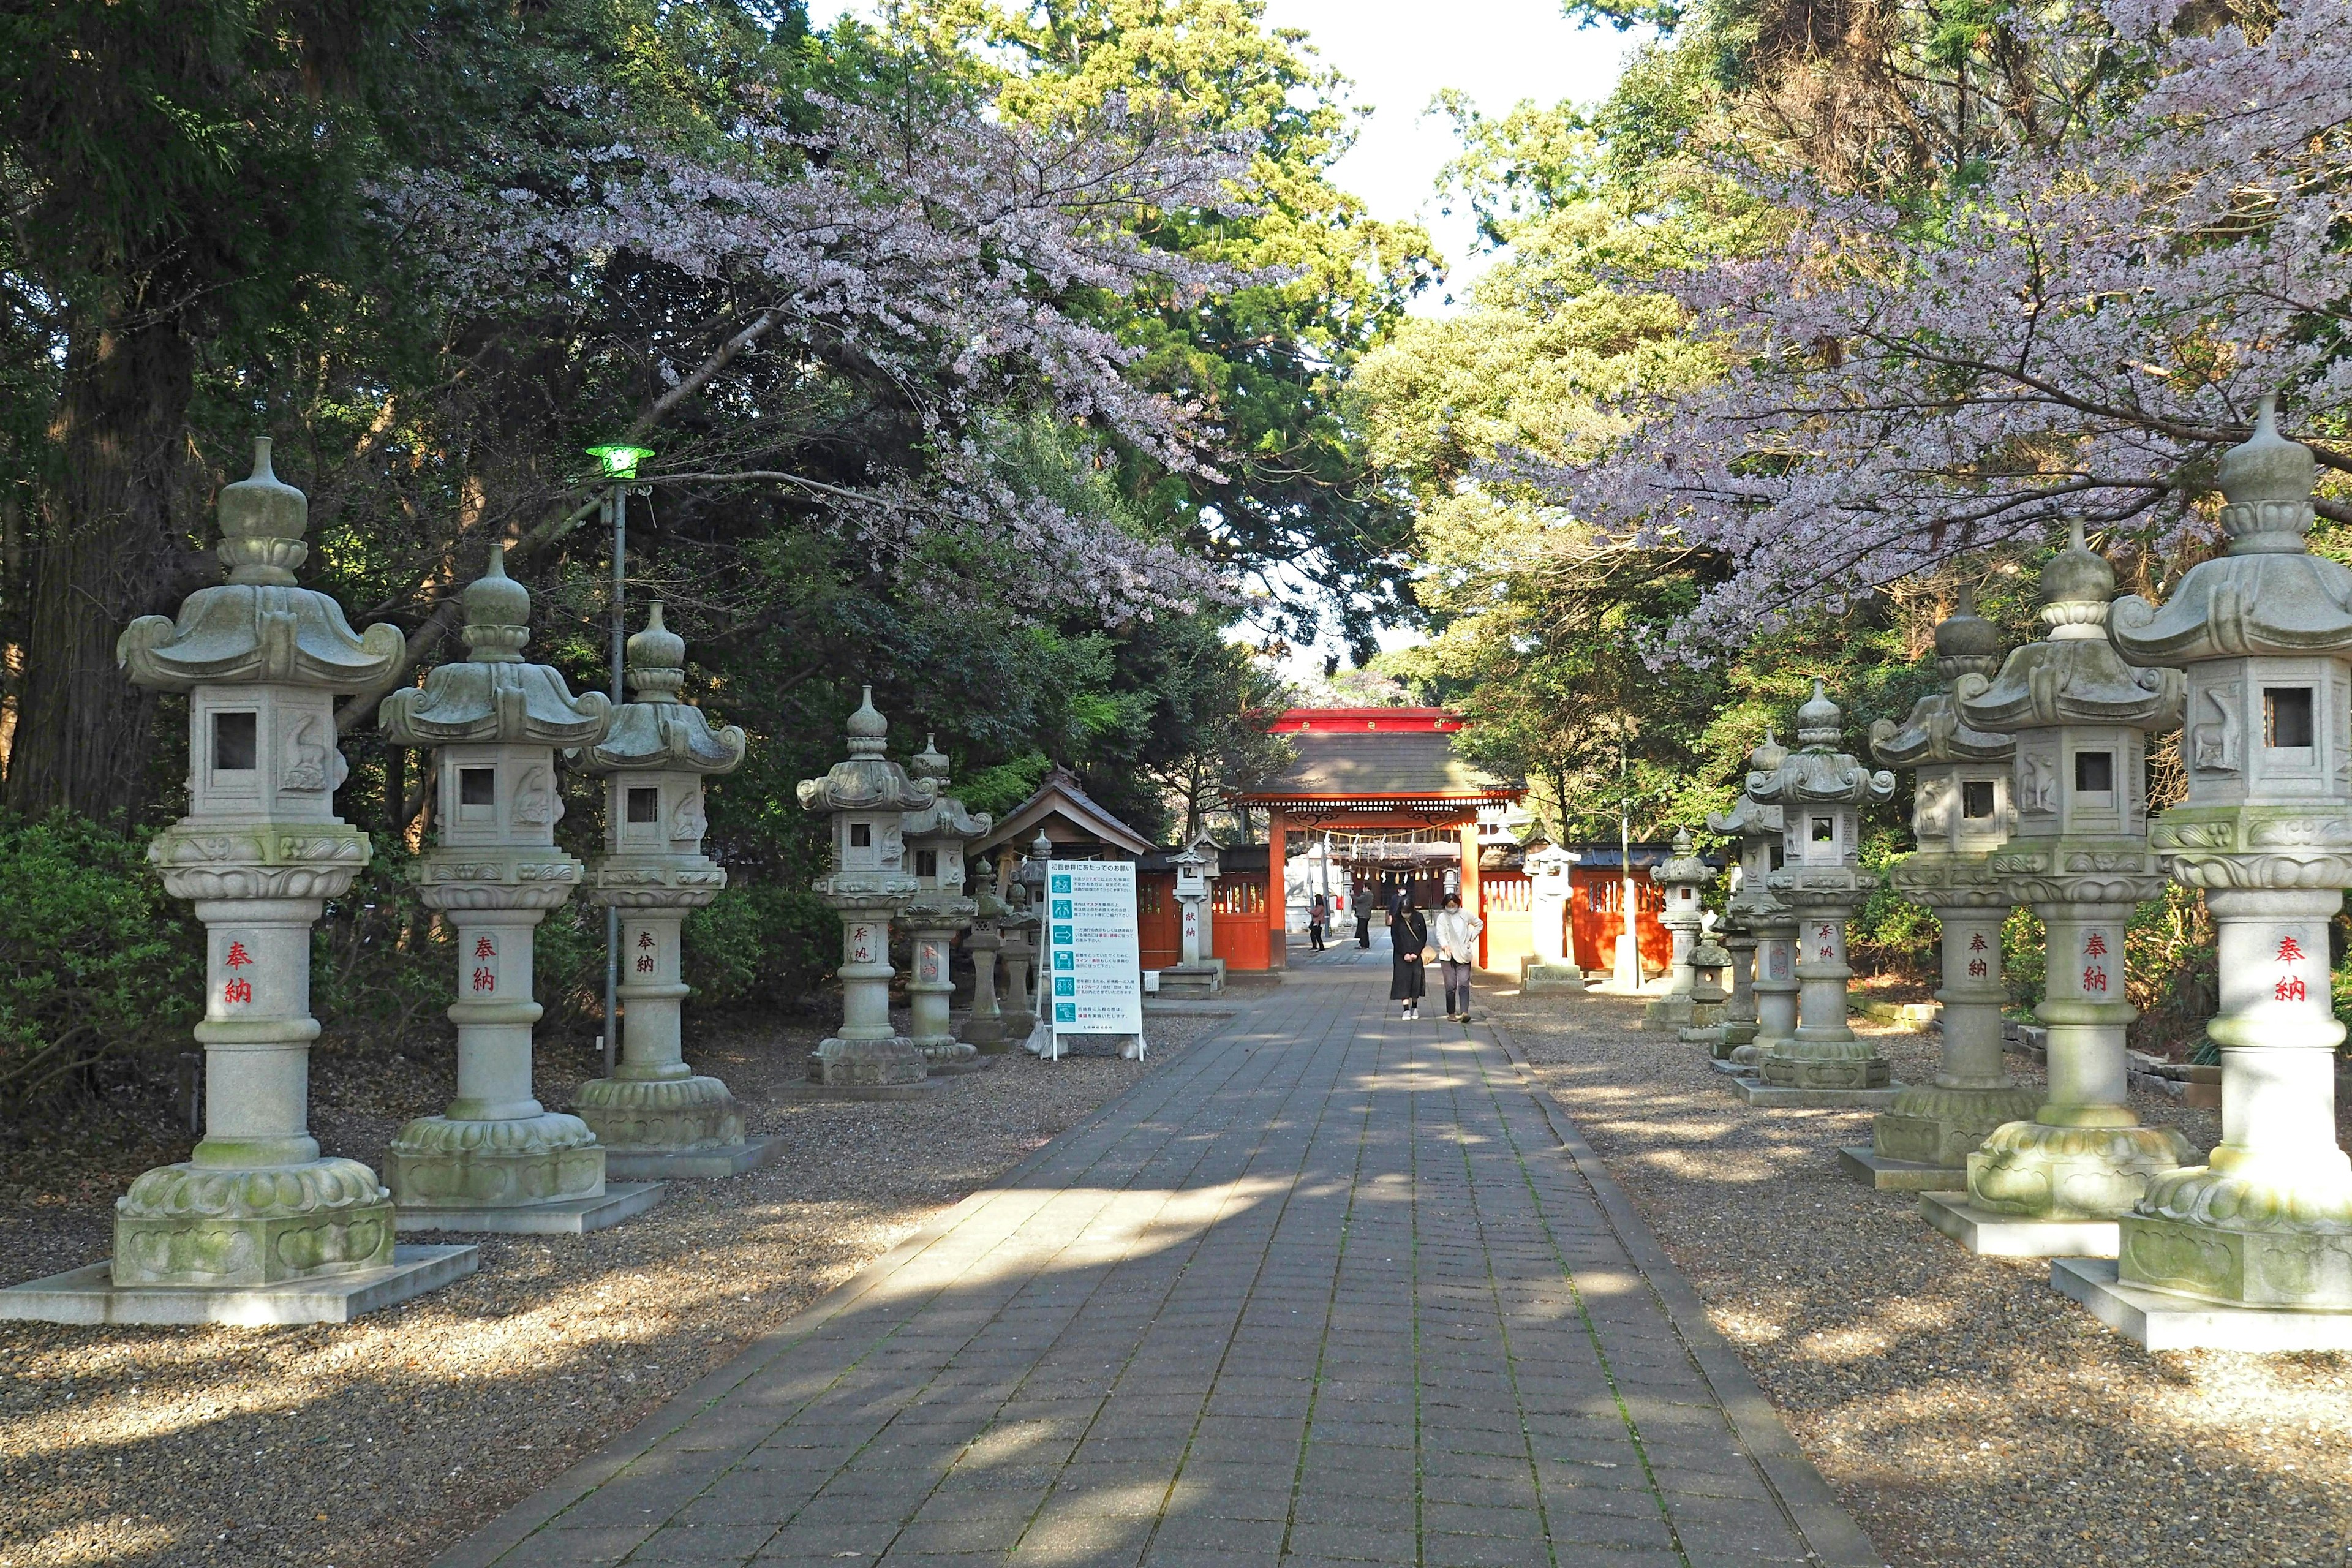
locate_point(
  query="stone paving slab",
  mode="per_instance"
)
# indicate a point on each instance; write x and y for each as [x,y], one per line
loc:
[1330,1287]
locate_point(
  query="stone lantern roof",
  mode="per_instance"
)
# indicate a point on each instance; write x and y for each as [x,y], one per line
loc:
[1684,866]
[495,695]
[1965,643]
[2073,676]
[946,815]
[1749,818]
[1814,774]
[867,780]
[258,627]
[658,730]
[2270,595]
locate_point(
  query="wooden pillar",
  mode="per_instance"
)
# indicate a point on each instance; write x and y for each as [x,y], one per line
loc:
[1277,890]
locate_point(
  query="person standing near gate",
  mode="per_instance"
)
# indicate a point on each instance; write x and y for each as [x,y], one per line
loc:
[1408,937]
[1456,930]
[1363,918]
[1318,915]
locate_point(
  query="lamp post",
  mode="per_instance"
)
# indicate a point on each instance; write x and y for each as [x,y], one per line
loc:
[618,462]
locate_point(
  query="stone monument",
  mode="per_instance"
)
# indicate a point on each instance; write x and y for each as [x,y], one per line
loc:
[655,1116]
[1760,930]
[1019,951]
[1709,962]
[1681,876]
[935,836]
[867,796]
[496,1160]
[1549,969]
[985,1026]
[2253,1250]
[1821,792]
[1196,973]
[256,1226]
[2054,1186]
[1960,815]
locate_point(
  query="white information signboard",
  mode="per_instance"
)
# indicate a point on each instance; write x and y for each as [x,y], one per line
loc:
[1093,957]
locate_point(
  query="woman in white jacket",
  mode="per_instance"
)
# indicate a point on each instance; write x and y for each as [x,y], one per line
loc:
[1455,932]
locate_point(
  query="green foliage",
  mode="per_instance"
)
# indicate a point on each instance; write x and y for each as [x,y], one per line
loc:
[752,945]
[96,963]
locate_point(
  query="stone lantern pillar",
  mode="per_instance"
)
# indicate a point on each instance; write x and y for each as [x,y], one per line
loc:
[1212,869]
[1760,932]
[2053,1186]
[867,796]
[2253,1250]
[1681,876]
[1551,969]
[1821,791]
[496,1160]
[935,836]
[1040,1038]
[655,1116]
[256,1226]
[1960,815]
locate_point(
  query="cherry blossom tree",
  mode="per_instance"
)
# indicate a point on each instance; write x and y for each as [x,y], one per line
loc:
[2083,330]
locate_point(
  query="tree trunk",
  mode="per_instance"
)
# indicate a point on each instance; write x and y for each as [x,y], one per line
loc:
[109,552]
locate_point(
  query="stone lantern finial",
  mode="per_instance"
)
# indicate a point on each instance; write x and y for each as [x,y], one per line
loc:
[657,660]
[929,763]
[2267,481]
[262,520]
[868,730]
[2076,587]
[1966,643]
[1769,753]
[497,614]
[1820,721]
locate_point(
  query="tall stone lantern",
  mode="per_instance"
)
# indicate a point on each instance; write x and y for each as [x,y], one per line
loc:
[496,1160]
[2054,1186]
[655,1116]
[1960,815]
[935,838]
[1197,972]
[256,1226]
[1550,968]
[984,1026]
[1681,876]
[1821,792]
[867,796]
[1018,951]
[2263,1230]
[1759,931]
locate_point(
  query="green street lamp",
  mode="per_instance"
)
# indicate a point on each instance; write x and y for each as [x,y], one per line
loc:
[618,462]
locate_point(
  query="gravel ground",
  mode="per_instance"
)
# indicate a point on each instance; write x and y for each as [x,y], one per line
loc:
[1963,1411]
[381,1441]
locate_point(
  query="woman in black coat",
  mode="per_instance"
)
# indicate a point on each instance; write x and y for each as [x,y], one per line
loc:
[1408,937]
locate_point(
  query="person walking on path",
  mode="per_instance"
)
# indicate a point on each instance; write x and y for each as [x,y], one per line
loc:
[1408,937]
[1456,930]
[1318,915]
[1363,921]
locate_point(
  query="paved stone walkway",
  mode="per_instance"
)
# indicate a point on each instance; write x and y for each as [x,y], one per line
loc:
[1330,1287]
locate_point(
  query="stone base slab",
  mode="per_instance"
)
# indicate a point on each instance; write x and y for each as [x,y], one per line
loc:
[1743,1070]
[1989,1234]
[2164,1322]
[1873,1169]
[1551,980]
[565,1216]
[692,1164]
[91,1295]
[1668,1015]
[1773,1096]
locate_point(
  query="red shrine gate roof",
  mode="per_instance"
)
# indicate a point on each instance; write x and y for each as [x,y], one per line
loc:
[1368,767]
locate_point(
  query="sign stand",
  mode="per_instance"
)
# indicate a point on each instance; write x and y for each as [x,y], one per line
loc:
[1092,978]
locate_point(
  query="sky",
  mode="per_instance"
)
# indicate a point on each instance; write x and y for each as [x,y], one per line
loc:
[1400,55]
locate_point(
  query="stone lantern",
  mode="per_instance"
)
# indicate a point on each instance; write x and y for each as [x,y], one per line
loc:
[868,797]
[1960,815]
[984,1027]
[1551,968]
[255,1226]
[655,1116]
[1709,962]
[1018,951]
[2053,1186]
[1198,972]
[1681,876]
[935,838]
[498,1159]
[1760,932]
[1821,792]
[2263,1230]
[1212,869]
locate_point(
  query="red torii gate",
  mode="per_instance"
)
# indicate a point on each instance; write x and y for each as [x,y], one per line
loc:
[1372,770]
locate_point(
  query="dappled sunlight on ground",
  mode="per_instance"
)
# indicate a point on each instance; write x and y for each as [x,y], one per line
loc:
[1963,1410]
